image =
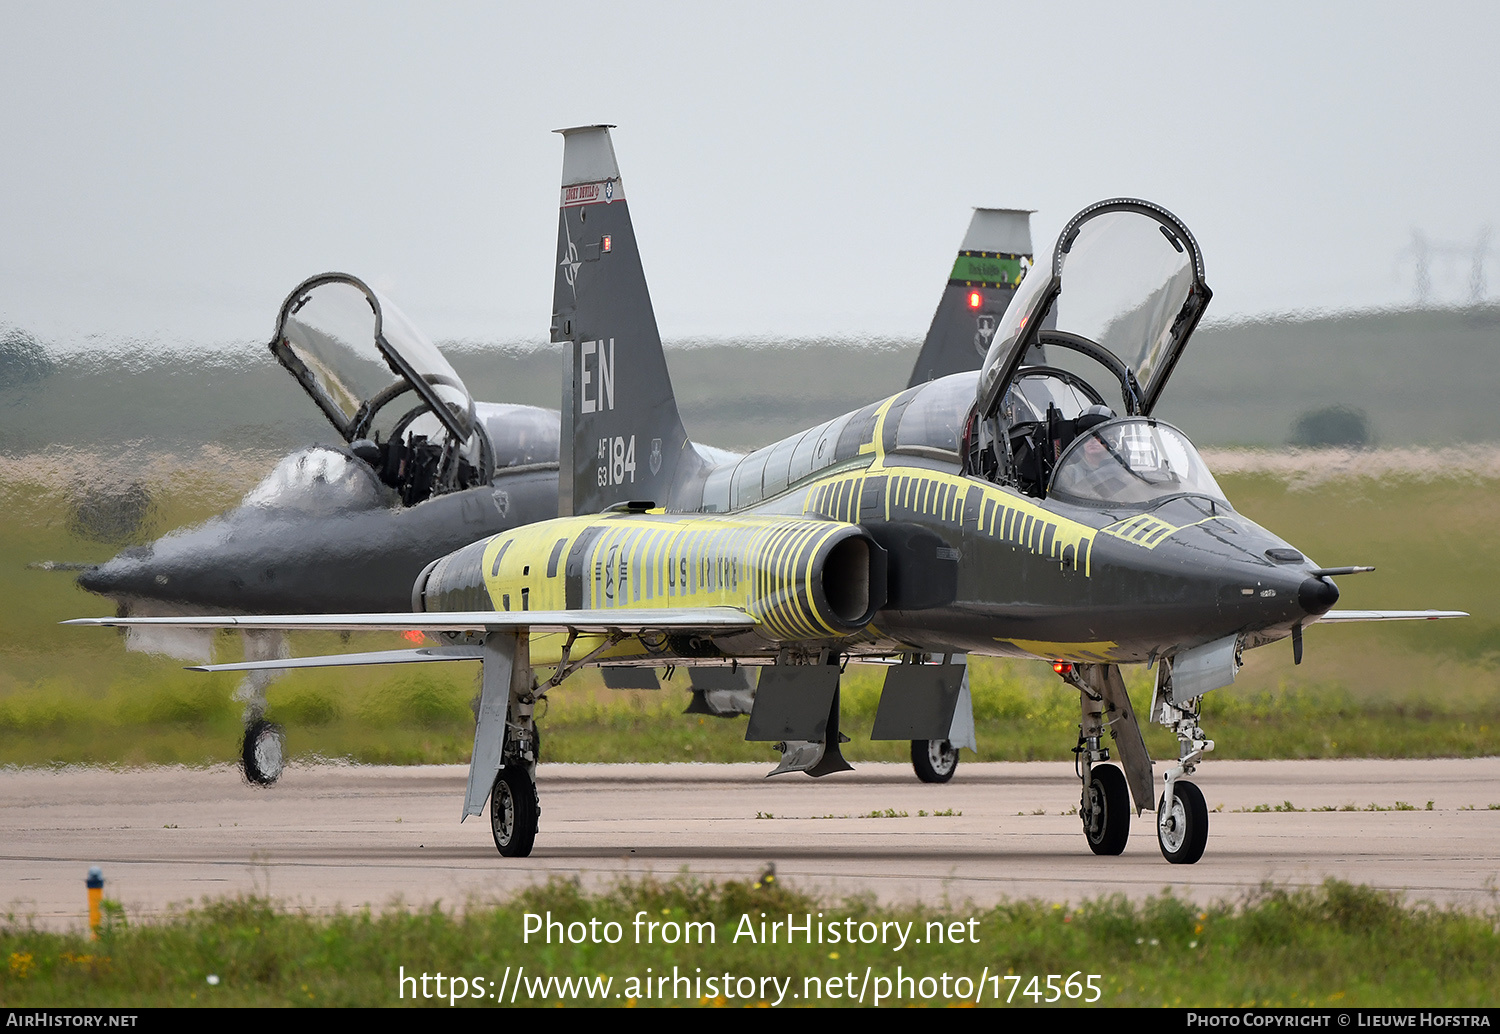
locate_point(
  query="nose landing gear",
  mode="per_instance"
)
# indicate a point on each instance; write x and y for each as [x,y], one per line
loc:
[1182,823]
[1182,814]
[263,753]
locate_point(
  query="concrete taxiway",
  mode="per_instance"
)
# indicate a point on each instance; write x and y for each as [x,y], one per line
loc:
[335,836]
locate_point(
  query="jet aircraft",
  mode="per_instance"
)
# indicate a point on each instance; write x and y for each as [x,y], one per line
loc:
[1010,512]
[424,469]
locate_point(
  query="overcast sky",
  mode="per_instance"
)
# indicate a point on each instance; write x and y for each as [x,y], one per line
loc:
[173,170]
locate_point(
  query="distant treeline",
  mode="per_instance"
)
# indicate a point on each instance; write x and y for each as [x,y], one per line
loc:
[1388,378]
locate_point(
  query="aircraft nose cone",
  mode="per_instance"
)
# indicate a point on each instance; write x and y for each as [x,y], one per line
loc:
[1317,596]
[126,573]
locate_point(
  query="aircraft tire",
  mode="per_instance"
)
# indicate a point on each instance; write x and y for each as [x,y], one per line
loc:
[1183,833]
[1110,802]
[515,811]
[263,753]
[935,761]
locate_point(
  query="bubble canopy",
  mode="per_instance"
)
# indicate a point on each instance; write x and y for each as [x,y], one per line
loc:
[343,340]
[1125,286]
[1133,461]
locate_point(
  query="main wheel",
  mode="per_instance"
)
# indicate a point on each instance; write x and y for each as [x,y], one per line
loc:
[514,811]
[934,760]
[263,753]
[1182,830]
[1105,809]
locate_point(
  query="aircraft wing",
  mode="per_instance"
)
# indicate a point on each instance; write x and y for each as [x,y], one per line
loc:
[704,619]
[1390,615]
[339,660]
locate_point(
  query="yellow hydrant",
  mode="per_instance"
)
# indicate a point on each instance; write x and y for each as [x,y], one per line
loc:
[95,884]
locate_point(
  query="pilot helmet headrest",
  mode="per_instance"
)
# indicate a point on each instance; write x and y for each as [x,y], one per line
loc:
[1093,416]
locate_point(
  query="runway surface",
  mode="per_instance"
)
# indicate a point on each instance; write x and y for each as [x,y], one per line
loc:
[334,836]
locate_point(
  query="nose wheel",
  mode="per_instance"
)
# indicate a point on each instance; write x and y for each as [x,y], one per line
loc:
[1182,824]
[935,761]
[263,754]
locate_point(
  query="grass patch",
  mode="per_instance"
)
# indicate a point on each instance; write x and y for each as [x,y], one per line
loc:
[1334,945]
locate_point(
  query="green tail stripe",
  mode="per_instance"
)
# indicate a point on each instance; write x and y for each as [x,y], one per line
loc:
[986,269]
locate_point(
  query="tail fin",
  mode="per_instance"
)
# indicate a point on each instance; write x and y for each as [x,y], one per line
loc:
[991,261]
[622,437]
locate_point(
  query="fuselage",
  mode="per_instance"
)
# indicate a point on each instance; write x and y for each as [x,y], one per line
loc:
[886,553]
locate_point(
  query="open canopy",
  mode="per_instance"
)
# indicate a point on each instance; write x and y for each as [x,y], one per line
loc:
[354,351]
[1125,289]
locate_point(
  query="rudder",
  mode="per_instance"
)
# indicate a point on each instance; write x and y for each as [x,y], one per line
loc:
[994,256]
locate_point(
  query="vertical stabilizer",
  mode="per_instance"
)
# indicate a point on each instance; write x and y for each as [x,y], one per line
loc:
[622,437]
[994,256]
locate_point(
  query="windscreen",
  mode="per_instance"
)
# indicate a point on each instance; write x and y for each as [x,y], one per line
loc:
[320,480]
[1132,461]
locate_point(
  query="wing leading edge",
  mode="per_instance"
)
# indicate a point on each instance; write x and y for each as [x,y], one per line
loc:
[707,619]
[1336,616]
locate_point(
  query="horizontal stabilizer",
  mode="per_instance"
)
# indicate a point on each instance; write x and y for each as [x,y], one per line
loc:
[1391,615]
[426,653]
[706,619]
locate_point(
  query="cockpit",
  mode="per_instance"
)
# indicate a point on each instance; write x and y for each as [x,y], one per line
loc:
[384,386]
[1080,359]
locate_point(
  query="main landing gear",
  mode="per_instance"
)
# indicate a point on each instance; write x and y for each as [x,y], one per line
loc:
[515,811]
[934,761]
[507,744]
[1105,809]
[515,807]
[1104,804]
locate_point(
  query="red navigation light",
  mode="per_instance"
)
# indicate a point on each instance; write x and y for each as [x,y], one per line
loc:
[975,299]
[413,635]
[604,244]
[1063,668]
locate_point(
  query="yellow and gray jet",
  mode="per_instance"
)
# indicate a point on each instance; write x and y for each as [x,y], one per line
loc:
[1034,509]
